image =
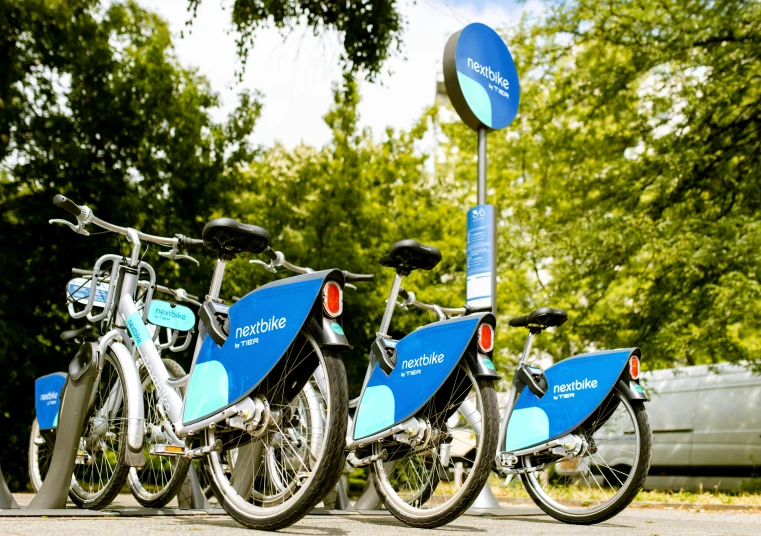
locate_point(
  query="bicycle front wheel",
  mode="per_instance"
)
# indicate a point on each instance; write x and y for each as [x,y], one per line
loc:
[603,480]
[273,478]
[159,480]
[431,485]
[101,469]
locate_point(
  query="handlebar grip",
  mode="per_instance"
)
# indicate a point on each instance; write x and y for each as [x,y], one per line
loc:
[67,204]
[80,271]
[348,276]
[270,254]
[519,321]
[185,242]
[404,294]
[192,297]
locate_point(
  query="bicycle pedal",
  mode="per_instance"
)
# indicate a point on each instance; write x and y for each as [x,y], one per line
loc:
[162,449]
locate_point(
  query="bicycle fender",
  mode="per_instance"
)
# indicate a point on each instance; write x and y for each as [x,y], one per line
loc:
[328,332]
[632,390]
[134,389]
[263,325]
[480,363]
[575,389]
[425,359]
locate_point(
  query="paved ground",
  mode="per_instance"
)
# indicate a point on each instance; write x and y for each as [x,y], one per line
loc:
[519,521]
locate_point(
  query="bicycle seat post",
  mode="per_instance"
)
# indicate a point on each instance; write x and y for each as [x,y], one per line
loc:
[216,280]
[527,347]
[391,303]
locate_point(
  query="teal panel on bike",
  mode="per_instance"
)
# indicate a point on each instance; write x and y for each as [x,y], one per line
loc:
[376,411]
[575,389]
[209,390]
[425,359]
[528,426]
[172,316]
[263,325]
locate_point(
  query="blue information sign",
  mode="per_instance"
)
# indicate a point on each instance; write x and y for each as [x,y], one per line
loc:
[480,77]
[480,256]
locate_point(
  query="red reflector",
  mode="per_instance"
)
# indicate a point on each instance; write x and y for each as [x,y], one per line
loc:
[634,367]
[485,337]
[332,299]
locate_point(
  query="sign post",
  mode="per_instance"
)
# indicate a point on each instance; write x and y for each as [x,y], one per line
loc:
[482,84]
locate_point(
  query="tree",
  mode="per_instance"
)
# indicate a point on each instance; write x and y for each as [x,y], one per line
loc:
[370,29]
[95,106]
[629,181]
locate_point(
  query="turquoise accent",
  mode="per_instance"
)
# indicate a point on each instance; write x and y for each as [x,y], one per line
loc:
[338,329]
[207,391]
[488,364]
[376,412]
[477,98]
[137,329]
[172,316]
[55,421]
[639,388]
[527,426]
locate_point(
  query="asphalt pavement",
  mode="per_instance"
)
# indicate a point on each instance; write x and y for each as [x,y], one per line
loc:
[523,521]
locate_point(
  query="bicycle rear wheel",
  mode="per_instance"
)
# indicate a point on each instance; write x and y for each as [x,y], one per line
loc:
[101,470]
[272,479]
[40,454]
[606,478]
[430,486]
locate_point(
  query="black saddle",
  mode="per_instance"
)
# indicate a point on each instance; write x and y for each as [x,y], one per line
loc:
[542,318]
[229,237]
[408,255]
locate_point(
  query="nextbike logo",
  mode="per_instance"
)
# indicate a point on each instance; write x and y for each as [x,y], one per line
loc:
[262,326]
[423,361]
[570,388]
[485,71]
[52,395]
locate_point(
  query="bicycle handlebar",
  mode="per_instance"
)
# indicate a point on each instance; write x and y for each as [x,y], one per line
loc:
[410,299]
[67,204]
[348,276]
[278,259]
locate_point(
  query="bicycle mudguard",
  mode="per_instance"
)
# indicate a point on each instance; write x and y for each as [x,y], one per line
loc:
[263,325]
[47,399]
[425,359]
[575,389]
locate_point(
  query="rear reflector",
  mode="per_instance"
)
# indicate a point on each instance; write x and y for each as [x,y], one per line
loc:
[485,337]
[332,299]
[634,367]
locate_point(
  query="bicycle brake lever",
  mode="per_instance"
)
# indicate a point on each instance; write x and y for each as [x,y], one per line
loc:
[188,257]
[267,265]
[174,253]
[349,285]
[79,228]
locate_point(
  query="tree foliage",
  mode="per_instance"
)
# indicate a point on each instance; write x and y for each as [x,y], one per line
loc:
[370,29]
[629,184]
[94,105]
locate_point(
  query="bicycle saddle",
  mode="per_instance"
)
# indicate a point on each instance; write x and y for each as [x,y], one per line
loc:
[408,255]
[542,318]
[229,237]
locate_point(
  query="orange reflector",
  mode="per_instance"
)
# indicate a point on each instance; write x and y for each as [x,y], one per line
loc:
[172,448]
[485,337]
[634,367]
[332,299]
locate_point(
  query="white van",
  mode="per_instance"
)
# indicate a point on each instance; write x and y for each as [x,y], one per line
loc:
[706,423]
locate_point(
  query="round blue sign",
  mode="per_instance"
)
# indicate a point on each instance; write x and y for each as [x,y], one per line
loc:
[480,77]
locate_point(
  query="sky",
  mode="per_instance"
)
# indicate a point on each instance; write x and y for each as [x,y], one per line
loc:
[296,74]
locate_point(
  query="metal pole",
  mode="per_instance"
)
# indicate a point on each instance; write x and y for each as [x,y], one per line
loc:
[482,166]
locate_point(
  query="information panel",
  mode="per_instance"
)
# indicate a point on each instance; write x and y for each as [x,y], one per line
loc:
[480,256]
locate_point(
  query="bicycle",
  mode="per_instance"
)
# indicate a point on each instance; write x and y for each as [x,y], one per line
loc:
[567,431]
[406,426]
[157,482]
[245,398]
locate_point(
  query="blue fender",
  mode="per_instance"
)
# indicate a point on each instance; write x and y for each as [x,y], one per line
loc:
[425,359]
[575,388]
[47,399]
[263,325]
